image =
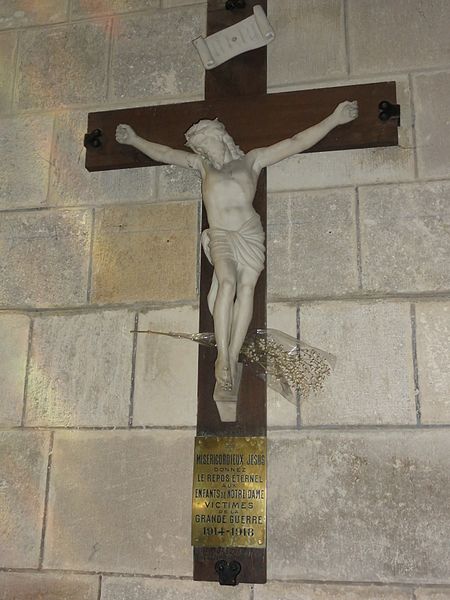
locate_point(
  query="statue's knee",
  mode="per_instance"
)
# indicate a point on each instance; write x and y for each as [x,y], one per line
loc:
[246,290]
[227,287]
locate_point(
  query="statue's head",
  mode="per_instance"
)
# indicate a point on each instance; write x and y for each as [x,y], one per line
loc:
[211,140]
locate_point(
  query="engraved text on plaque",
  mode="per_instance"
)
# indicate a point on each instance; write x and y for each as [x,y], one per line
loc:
[229,492]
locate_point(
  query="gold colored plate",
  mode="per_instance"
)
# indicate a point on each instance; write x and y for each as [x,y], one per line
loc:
[229,492]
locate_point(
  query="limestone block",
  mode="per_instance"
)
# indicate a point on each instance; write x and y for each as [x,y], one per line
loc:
[135,588]
[432,91]
[145,253]
[120,502]
[82,9]
[281,412]
[22,489]
[63,65]
[51,586]
[80,370]
[14,330]
[309,43]
[352,167]
[153,54]
[176,183]
[25,145]
[312,244]
[372,381]
[8,43]
[44,257]
[305,591]
[23,13]
[433,349]
[359,506]
[411,34]
[432,593]
[72,185]
[405,237]
[165,392]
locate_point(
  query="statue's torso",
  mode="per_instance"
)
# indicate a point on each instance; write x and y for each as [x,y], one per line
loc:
[228,194]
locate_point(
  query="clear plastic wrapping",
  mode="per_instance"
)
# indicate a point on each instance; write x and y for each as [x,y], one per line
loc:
[289,367]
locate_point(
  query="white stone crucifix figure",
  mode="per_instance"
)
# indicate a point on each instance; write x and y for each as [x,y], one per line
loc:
[234,242]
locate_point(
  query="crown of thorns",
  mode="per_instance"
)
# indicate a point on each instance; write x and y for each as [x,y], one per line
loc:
[202,125]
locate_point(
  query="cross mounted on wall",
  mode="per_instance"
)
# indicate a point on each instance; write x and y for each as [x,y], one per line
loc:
[236,94]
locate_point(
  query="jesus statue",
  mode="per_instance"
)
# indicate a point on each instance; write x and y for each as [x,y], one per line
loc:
[234,242]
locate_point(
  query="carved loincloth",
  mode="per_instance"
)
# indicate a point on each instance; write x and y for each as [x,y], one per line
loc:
[245,247]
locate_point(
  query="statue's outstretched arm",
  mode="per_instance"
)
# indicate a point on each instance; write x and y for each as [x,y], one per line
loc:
[263,157]
[158,152]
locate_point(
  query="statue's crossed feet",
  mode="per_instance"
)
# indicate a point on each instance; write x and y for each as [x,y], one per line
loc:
[226,391]
[223,375]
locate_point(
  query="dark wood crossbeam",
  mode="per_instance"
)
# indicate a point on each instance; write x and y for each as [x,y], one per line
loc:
[254,122]
[236,93]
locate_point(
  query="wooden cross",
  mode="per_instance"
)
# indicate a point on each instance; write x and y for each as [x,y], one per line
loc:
[236,93]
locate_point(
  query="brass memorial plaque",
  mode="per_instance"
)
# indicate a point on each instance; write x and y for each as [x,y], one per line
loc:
[229,492]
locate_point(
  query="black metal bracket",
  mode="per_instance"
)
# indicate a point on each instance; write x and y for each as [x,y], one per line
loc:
[228,571]
[93,139]
[232,4]
[389,111]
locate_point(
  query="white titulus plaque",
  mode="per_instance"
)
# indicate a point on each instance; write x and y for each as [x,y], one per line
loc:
[248,34]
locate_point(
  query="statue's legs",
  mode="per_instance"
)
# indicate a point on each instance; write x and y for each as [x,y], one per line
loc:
[242,314]
[223,315]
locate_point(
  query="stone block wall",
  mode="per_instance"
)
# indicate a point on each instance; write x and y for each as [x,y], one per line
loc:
[97,425]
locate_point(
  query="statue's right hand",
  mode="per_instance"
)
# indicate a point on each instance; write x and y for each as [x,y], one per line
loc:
[125,134]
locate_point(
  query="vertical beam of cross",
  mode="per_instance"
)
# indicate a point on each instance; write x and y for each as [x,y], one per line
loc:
[242,76]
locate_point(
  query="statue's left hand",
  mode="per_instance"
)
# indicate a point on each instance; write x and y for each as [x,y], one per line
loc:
[346,111]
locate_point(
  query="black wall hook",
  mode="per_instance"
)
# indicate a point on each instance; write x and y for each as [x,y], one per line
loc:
[93,139]
[228,571]
[232,4]
[389,111]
